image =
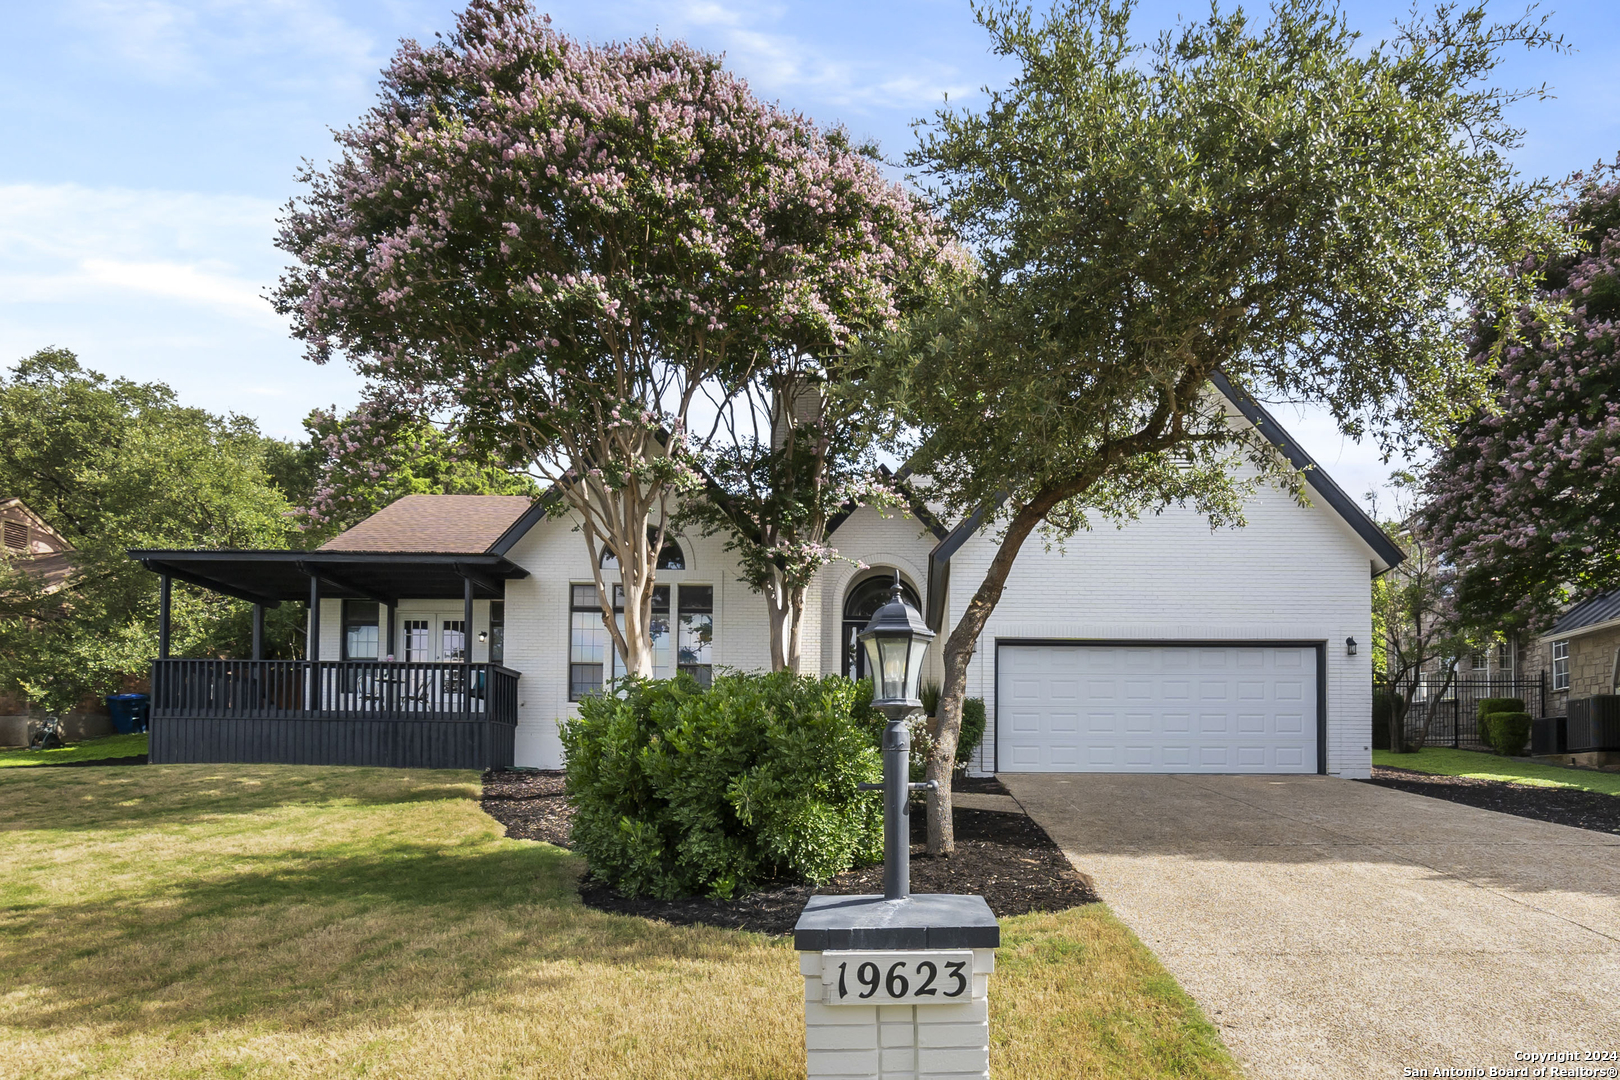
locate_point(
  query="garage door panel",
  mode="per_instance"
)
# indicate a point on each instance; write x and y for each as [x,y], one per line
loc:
[1205,709]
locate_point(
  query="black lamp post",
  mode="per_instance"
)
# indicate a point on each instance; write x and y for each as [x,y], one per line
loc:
[895,641]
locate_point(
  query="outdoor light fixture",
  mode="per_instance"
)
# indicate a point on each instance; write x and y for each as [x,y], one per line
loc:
[1349,646]
[483,636]
[895,641]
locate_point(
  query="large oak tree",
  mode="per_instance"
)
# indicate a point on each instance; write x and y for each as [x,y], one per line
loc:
[1273,200]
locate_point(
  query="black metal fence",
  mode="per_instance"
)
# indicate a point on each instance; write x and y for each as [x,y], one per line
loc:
[1450,713]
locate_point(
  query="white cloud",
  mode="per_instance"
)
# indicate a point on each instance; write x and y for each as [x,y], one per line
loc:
[68,243]
[209,41]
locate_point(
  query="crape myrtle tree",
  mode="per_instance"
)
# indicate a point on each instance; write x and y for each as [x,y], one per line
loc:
[562,246]
[1276,202]
[1524,501]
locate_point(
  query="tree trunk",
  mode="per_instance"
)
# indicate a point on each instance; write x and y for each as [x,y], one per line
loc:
[959,650]
[778,612]
[795,639]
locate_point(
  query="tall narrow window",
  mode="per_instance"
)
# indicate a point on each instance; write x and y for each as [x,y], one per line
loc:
[360,629]
[1560,665]
[589,646]
[497,631]
[696,647]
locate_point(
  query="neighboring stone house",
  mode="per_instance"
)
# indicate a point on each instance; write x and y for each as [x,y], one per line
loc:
[1582,651]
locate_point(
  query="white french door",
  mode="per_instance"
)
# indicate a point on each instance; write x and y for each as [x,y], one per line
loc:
[434,638]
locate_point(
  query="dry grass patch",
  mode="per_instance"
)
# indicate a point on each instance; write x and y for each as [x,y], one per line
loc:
[288,922]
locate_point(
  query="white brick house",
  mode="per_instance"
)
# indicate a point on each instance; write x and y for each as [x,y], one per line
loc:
[1159,646]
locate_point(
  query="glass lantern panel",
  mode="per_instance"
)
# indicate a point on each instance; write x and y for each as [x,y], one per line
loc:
[873,666]
[914,668]
[892,683]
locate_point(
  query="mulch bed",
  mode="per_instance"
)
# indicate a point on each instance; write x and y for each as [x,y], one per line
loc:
[1004,857]
[1563,806]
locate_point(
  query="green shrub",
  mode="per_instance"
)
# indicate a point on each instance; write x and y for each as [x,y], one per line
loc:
[928,694]
[1509,731]
[682,791]
[1490,705]
[972,730]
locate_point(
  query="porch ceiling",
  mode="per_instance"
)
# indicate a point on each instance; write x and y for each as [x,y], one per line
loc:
[269,577]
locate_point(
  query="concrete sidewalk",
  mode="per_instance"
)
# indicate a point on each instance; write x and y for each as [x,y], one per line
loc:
[1332,928]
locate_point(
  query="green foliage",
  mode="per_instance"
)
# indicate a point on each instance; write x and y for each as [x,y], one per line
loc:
[112,464]
[972,730]
[358,463]
[1509,731]
[683,791]
[1490,705]
[928,692]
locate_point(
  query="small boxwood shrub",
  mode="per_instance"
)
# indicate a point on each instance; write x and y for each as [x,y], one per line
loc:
[972,730]
[682,791]
[1490,705]
[1509,731]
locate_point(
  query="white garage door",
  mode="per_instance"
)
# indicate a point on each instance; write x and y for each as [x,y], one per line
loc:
[1124,708]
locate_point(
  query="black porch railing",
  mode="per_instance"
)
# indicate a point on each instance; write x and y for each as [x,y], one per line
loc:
[1452,712]
[356,712]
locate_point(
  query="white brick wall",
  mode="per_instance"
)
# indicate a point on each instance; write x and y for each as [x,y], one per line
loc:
[896,1042]
[1292,574]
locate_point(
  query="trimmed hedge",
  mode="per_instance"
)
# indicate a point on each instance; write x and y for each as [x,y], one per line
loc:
[682,791]
[1509,731]
[1489,705]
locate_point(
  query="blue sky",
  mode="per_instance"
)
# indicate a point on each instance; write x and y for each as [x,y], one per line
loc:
[149,144]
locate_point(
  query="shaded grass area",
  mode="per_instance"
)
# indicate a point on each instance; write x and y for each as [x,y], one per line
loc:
[283,921]
[1479,766]
[112,746]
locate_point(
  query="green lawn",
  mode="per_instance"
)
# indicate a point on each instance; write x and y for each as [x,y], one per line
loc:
[201,921]
[1494,767]
[113,746]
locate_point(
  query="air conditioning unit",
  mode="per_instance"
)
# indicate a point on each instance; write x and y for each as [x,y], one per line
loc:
[1594,723]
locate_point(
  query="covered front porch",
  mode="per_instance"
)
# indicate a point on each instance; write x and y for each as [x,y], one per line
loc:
[404,690]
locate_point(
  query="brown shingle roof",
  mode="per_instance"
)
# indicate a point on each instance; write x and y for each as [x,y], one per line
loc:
[456,524]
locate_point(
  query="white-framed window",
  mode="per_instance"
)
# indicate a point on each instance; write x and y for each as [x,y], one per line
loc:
[1560,665]
[592,659]
[1505,651]
[1479,661]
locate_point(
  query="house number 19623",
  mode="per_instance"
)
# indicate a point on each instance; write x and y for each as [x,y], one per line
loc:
[931,977]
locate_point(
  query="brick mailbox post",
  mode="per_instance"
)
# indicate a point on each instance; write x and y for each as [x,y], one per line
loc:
[897,989]
[897,986]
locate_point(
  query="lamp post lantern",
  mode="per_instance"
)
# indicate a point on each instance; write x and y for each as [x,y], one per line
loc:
[896,640]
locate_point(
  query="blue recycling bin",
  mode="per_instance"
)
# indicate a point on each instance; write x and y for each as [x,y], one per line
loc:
[129,712]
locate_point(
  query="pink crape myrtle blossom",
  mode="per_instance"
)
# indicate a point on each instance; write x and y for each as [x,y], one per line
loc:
[1525,504]
[562,243]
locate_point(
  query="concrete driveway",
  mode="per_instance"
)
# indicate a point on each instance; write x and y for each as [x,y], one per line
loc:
[1335,929]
